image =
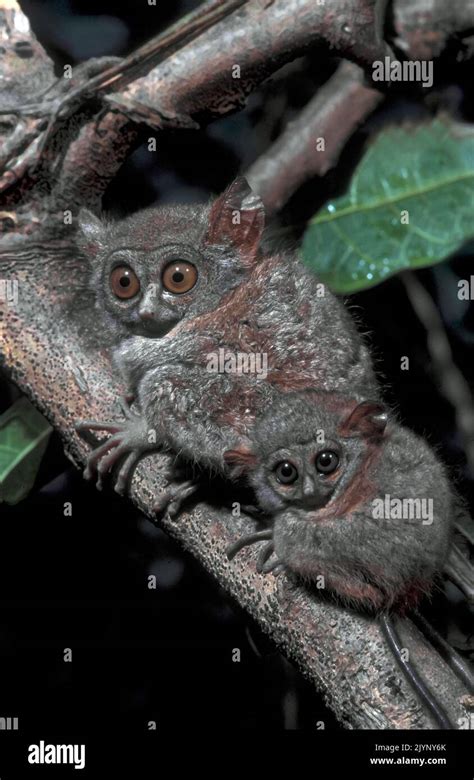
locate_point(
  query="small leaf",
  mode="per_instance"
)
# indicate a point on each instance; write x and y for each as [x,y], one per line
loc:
[24,434]
[422,176]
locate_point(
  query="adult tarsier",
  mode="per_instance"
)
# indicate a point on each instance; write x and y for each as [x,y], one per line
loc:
[182,286]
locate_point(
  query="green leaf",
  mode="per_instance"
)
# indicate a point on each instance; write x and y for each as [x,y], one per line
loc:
[359,240]
[24,434]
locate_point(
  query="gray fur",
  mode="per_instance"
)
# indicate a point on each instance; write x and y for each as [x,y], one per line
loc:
[377,561]
[297,430]
[245,302]
[146,241]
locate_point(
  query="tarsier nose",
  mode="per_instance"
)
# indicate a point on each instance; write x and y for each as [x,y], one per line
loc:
[308,486]
[147,310]
[146,314]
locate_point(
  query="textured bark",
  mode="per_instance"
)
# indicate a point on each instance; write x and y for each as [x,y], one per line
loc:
[50,348]
[259,38]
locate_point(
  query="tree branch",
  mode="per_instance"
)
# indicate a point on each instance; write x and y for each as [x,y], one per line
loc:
[258,38]
[196,81]
[333,115]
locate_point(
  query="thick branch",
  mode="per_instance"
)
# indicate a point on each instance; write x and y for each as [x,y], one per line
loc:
[201,78]
[333,115]
[49,348]
[259,38]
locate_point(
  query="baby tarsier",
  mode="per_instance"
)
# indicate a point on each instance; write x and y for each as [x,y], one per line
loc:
[185,287]
[355,499]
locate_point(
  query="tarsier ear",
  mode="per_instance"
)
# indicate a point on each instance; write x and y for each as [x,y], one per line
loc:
[90,235]
[369,419]
[241,459]
[238,217]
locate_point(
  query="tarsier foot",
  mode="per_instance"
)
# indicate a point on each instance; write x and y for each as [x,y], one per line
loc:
[265,564]
[275,567]
[253,511]
[264,555]
[177,474]
[173,497]
[128,442]
[246,540]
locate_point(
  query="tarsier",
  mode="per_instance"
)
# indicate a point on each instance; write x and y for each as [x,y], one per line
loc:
[180,285]
[330,471]
[193,284]
[358,505]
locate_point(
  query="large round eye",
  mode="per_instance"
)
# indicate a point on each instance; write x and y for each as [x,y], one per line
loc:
[179,277]
[327,462]
[124,282]
[286,473]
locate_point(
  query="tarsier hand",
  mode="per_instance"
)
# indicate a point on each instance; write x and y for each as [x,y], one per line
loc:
[128,441]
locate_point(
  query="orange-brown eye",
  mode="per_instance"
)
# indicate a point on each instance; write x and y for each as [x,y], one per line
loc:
[124,282]
[179,277]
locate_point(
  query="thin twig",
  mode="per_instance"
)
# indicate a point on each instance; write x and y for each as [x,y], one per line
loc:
[452,383]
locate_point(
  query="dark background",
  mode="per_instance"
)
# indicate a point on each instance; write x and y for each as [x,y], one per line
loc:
[80,582]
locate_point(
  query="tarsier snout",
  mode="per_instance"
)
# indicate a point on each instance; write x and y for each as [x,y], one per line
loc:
[308,486]
[149,306]
[154,313]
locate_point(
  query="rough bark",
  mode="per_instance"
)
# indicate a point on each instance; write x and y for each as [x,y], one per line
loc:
[258,38]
